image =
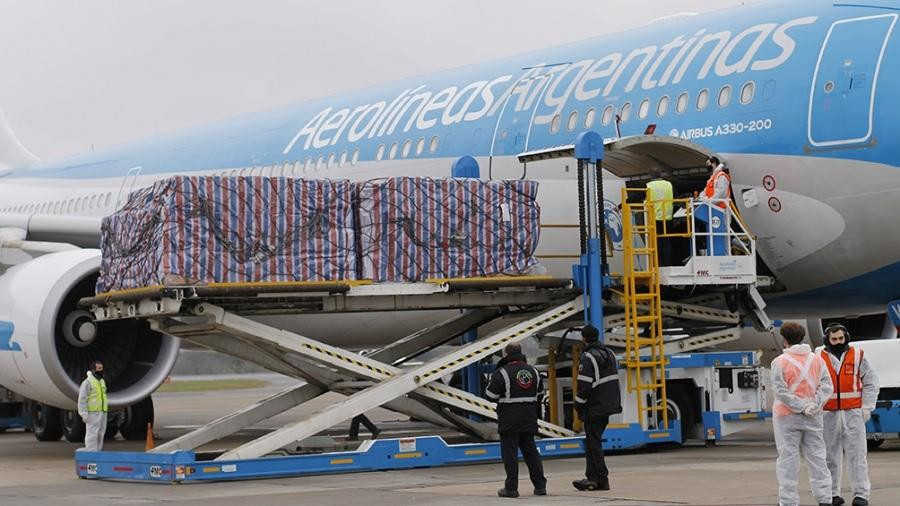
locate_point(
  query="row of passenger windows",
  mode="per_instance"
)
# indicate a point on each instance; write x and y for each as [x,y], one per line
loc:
[723,99]
[295,168]
[389,153]
[73,205]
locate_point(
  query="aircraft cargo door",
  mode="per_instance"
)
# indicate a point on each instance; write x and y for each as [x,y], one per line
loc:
[842,97]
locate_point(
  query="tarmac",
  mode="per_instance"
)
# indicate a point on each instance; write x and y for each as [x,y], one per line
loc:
[738,471]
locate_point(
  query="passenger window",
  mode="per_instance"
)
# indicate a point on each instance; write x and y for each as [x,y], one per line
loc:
[379,153]
[420,146]
[108,199]
[644,108]
[355,157]
[93,201]
[407,145]
[681,103]
[572,121]
[297,168]
[343,159]
[625,112]
[554,124]
[307,164]
[747,92]
[663,106]
[724,96]
[432,147]
[589,117]
[607,115]
[330,161]
[393,152]
[702,99]
[320,161]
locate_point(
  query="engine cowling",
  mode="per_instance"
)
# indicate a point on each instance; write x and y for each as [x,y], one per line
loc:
[47,343]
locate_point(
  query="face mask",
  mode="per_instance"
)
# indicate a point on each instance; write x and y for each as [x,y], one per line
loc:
[837,349]
[98,374]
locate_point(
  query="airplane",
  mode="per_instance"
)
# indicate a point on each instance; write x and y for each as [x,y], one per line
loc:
[798,98]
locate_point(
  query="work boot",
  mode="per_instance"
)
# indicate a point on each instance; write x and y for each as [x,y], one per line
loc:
[859,501]
[507,493]
[540,491]
[603,484]
[837,500]
[585,484]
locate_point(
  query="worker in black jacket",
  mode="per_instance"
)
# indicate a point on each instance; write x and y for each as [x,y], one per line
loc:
[516,387]
[597,398]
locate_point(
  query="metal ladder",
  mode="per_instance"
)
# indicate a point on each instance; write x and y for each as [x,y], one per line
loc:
[645,359]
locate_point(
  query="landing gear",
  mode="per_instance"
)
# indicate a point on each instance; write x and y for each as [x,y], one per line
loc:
[137,416]
[73,428]
[45,422]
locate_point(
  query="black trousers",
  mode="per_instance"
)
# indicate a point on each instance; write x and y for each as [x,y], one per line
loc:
[594,426]
[353,435]
[664,244]
[510,444]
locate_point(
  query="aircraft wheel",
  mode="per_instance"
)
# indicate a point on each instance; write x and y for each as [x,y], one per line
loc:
[73,427]
[137,416]
[45,422]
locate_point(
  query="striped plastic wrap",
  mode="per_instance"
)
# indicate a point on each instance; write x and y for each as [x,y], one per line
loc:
[205,229]
[413,229]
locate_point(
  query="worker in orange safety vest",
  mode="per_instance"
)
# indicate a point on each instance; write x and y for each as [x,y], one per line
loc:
[718,186]
[847,411]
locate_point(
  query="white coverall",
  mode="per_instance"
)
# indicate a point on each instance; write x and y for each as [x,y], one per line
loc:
[95,421]
[845,433]
[797,420]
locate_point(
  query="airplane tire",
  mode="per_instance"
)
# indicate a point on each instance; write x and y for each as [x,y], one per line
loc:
[874,444]
[112,426]
[73,427]
[45,422]
[137,416]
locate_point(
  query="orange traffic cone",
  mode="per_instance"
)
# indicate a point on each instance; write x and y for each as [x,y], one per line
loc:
[150,444]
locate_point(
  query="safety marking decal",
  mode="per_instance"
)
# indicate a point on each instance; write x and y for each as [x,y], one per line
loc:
[6,333]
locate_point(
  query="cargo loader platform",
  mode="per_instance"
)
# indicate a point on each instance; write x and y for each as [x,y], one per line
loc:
[709,393]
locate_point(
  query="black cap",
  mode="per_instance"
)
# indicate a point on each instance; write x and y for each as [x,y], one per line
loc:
[590,333]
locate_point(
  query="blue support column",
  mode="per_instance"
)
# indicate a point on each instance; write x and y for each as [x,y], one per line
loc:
[467,166]
[589,153]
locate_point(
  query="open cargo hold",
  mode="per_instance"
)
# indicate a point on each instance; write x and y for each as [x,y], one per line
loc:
[205,229]
[413,229]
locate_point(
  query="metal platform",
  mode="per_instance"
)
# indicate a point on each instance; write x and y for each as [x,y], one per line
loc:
[377,455]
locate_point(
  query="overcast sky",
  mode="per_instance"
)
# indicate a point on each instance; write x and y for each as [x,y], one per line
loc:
[85,73]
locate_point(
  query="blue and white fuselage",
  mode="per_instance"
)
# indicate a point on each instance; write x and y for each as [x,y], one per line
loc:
[800,99]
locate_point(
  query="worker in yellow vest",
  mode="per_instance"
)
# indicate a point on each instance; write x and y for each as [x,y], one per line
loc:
[93,408]
[846,413]
[660,195]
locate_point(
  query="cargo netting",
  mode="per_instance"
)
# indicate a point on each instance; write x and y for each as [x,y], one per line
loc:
[204,229]
[413,229]
[209,229]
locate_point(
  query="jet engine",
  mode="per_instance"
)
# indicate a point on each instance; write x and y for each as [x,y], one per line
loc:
[47,342]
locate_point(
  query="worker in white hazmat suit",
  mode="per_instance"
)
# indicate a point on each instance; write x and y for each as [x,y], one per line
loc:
[846,413]
[93,408]
[802,386]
